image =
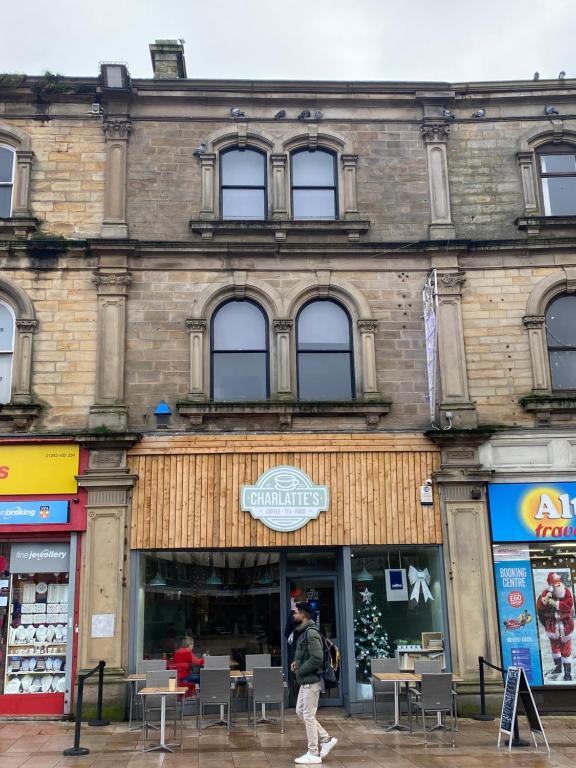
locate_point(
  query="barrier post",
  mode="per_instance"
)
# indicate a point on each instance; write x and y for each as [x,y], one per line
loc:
[99,720]
[77,749]
[482,714]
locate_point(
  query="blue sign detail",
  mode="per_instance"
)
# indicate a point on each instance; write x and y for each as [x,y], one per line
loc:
[33,512]
[533,511]
[518,620]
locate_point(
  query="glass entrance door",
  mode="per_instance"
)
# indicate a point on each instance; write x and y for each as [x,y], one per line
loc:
[321,592]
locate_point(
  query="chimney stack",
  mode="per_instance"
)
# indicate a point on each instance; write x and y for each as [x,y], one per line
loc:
[168,59]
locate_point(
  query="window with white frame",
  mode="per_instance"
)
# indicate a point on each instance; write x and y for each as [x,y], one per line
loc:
[314,184]
[7,164]
[561,341]
[324,349]
[243,184]
[557,167]
[239,352]
[7,329]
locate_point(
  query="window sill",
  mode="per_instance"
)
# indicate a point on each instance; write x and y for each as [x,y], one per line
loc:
[17,227]
[544,407]
[18,417]
[197,412]
[533,224]
[281,229]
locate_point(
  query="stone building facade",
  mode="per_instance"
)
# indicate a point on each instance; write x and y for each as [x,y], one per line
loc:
[119,251]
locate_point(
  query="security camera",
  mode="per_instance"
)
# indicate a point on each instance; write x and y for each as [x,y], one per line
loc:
[428,481]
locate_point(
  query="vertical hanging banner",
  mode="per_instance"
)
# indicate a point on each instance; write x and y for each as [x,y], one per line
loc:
[518,621]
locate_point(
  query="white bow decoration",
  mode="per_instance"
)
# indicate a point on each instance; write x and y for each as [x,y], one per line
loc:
[419,580]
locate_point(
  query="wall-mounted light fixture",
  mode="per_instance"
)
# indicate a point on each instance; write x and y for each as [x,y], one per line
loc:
[162,415]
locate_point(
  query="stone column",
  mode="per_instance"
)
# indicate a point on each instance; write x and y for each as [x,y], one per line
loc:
[283,330]
[196,328]
[21,207]
[451,353]
[534,324]
[367,330]
[526,163]
[207,163]
[109,409]
[116,132]
[22,367]
[435,137]
[279,207]
[104,589]
[349,183]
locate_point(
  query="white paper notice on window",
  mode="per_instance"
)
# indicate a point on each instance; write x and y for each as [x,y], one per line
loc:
[102,625]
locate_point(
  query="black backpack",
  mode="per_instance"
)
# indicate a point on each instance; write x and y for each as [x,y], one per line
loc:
[329,674]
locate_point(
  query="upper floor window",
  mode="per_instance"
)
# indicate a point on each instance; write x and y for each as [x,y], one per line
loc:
[324,344]
[7,327]
[561,341]
[558,175]
[239,352]
[314,185]
[7,156]
[243,184]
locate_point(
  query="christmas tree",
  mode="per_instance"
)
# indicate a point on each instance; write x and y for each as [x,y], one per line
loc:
[370,637]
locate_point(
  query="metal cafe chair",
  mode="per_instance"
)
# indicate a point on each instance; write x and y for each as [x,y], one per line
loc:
[215,690]
[267,688]
[422,666]
[152,704]
[216,662]
[143,666]
[437,696]
[382,690]
[259,660]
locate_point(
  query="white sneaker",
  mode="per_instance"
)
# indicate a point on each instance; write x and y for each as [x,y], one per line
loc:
[308,759]
[327,746]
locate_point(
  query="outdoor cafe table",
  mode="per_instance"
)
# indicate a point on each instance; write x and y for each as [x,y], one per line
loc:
[133,681]
[398,678]
[162,692]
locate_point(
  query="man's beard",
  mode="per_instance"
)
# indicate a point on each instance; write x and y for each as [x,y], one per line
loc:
[559,592]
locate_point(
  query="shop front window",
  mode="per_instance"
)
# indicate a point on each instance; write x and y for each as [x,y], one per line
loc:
[229,602]
[398,608]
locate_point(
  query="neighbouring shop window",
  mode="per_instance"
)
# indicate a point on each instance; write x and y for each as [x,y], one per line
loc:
[34,610]
[229,602]
[398,607]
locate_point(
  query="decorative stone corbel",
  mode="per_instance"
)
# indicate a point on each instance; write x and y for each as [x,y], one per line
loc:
[435,135]
[116,132]
[196,327]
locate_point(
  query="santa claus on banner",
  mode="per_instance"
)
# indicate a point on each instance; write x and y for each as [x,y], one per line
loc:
[555,608]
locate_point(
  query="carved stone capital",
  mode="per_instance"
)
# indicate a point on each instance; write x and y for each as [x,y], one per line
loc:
[114,279]
[435,133]
[533,321]
[27,326]
[367,326]
[279,160]
[116,129]
[451,281]
[196,325]
[283,326]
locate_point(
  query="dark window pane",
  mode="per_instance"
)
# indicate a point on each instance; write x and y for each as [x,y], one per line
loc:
[323,325]
[243,204]
[559,195]
[314,204]
[5,378]
[239,325]
[563,369]
[6,329]
[561,322]
[324,376]
[6,164]
[313,169]
[239,376]
[244,169]
[558,163]
[5,202]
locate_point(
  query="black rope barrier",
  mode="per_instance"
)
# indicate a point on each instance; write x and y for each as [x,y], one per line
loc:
[98,720]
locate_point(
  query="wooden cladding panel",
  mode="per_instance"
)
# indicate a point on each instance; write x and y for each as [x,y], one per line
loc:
[188,492]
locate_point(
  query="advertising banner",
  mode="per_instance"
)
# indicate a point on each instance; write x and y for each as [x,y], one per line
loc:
[518,622]
[38,469]
[555,610]
[33,512]
[40,558]
[533,511]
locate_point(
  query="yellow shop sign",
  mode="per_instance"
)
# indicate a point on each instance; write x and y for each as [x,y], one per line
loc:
[38,469]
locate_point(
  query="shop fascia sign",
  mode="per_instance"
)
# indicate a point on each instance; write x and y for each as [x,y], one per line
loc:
[284,499]
[533,511]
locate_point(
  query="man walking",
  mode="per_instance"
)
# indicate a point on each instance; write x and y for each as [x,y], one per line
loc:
[308,659]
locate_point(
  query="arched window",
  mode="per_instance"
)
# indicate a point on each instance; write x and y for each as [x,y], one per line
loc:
[314,184]
[324,344]
[7,327]
[239,341]
[557,166]
[7,163]
[243,184]
[561,341]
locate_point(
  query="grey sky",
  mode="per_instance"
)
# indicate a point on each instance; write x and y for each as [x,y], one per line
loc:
[453,40]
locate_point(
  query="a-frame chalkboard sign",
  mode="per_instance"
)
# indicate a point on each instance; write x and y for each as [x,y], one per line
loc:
[517,687]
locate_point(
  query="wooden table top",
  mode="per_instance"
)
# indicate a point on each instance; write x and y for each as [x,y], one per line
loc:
[157,690]
[136,678]
[406,677]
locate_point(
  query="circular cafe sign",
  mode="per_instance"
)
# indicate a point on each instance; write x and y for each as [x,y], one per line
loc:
[284,499]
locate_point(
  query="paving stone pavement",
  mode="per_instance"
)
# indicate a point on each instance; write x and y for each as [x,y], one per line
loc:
[361,744]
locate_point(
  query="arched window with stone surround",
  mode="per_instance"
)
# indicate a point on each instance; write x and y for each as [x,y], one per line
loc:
[561,341]
[243,183]
[7,334]
[7,166]
[314,182]
[557,169]
[239,352]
